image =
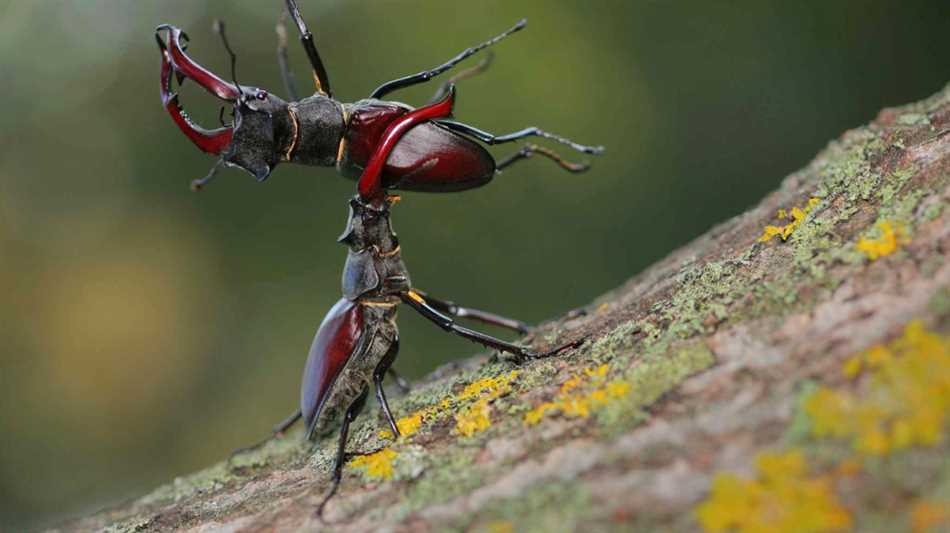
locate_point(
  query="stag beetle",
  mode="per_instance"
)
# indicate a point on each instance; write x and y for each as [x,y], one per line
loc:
[386,146]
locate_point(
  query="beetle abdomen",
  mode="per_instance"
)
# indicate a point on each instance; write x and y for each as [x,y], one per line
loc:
[428,158]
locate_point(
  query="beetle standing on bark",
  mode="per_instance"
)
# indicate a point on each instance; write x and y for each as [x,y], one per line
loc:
[388,146]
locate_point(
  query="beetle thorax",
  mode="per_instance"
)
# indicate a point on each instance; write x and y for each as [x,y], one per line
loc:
[318,122]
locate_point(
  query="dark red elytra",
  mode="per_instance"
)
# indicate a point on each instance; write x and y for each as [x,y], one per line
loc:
[429,158]
[335,341]
[385,146]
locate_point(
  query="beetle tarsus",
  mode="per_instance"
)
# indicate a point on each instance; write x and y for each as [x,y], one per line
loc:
[401,382]
[198,184]
[426,75]
[276,432]
[529,150]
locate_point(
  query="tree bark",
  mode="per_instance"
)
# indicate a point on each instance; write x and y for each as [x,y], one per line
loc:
[693,371]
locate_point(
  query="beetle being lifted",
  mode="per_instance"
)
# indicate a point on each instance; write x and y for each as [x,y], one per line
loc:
[387,146]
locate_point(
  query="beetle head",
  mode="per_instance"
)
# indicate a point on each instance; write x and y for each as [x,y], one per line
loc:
[369,223]
[260,129]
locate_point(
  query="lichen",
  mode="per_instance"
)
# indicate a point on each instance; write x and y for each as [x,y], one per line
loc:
[378,465]
[475,419]
[906,401]
[575,404]
[889,237]
[482,390]
[926,516]
[797,216]
[783,498]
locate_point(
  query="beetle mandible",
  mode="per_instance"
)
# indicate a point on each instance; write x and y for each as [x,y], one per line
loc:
[387,146]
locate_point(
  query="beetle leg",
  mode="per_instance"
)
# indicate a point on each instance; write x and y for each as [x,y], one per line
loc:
[278,431]
[456,310]
[378,376]
[530,149]
[320,78]
[426,75]
[401,382]
[351,414]
[285,74]
[419,303]
[482,66]
[492,139]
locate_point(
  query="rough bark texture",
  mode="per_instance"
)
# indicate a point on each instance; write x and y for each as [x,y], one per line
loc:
[703,363]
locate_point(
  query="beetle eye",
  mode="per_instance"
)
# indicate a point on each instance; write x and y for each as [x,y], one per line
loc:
[261,95]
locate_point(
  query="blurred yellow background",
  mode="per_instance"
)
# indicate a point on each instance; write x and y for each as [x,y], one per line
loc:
[146,331]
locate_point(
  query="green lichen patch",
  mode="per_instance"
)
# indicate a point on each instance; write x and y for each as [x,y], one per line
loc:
[650,378]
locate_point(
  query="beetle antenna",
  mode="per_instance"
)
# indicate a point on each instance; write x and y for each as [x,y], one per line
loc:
[218,27]
[198,184]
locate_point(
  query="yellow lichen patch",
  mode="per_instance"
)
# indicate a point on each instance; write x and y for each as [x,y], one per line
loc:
[493,386]
[571,403]
[783,498]
[500,526]
[377,465]
[926,516]
[797,215]
[407,425]
[890,237]
[485,389]
[475,419]
[906,401]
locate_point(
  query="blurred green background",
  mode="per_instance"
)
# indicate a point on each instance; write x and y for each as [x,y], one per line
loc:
[146,331]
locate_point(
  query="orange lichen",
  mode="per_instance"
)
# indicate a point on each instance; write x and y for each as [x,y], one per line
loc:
[890,236]
[573,404]
[906,401]
[377,465]
[925,516]
[797,215]
[783,498]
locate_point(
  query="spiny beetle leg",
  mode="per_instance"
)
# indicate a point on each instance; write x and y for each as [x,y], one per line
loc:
[426,75]
[378,376]
[351,414]
[456,310]
[419,303]
[492,139]
[320,78]
[278,431]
